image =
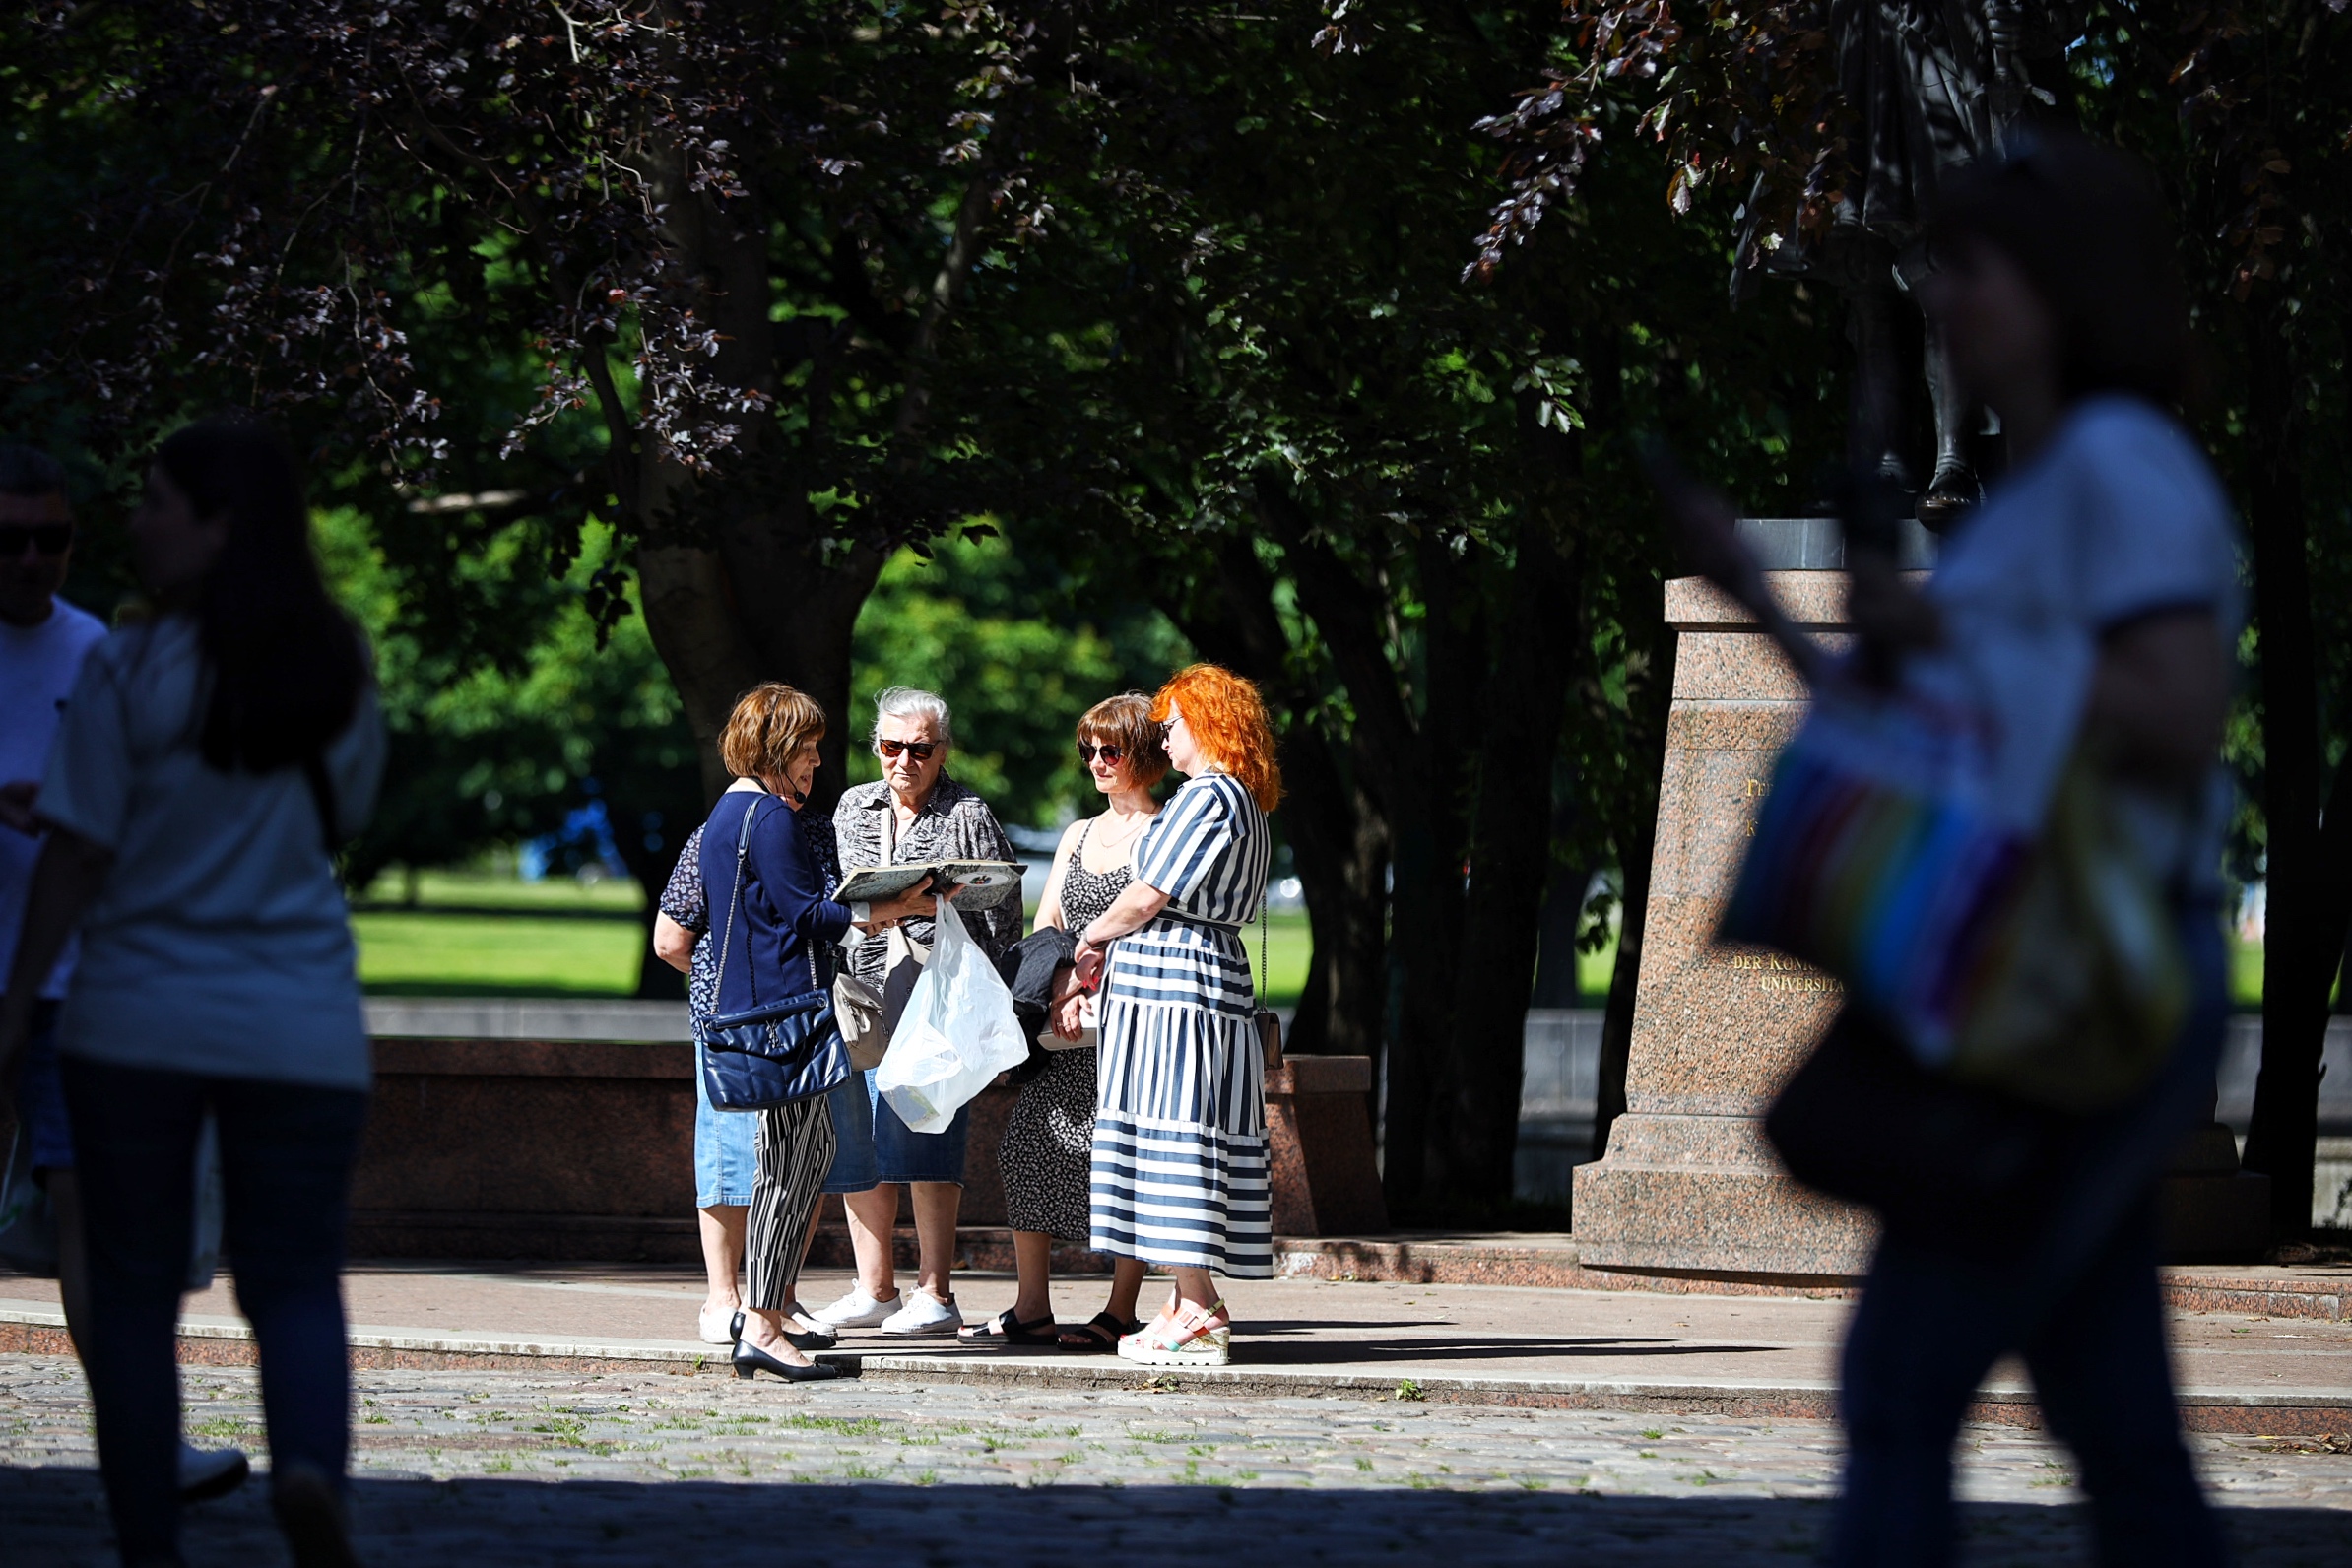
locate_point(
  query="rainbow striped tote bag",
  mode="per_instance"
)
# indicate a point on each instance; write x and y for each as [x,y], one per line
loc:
[2045,963]
[1876,859]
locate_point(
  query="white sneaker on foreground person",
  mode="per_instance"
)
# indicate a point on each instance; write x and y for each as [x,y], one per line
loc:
[858,1310]
[923,1315]
[208,1472]
[1187,1336]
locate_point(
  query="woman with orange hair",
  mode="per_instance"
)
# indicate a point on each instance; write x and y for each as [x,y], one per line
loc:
[1179,1165]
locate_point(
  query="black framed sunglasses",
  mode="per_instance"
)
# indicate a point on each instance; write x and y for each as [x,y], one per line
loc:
[48,538]
[920,750]
[1109,754]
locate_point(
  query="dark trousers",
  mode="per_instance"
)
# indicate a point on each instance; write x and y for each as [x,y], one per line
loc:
[286,1160]
[2079,1302]
[1929,1328]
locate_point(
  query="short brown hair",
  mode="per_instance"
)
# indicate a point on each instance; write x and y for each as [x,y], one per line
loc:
[1125,721]
[2088,226]
[770,724]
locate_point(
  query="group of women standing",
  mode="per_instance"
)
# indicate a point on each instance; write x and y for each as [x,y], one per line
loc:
[1149,1146]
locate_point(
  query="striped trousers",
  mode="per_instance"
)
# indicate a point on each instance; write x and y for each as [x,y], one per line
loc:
[796,1149]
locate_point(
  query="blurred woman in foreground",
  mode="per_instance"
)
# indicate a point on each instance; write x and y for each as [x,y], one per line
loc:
[209,763]
[2089,607]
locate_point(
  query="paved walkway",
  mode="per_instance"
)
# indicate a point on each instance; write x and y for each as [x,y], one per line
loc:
[1751,1356]
[465,1467]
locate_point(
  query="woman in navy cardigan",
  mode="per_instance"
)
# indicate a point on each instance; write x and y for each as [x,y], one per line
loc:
[782,944]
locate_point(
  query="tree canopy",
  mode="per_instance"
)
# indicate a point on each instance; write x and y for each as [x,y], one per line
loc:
[645,350]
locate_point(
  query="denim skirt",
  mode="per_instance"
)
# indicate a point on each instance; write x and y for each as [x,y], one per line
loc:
[726,1154]
[876,1147]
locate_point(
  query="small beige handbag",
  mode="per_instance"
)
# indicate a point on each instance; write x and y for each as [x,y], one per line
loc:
[859,1012]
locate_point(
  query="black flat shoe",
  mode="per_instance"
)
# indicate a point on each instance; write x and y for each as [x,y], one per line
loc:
[751,1361]
[1005,1330]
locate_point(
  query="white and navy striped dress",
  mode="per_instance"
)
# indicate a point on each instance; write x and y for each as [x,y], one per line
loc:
[1179,1167]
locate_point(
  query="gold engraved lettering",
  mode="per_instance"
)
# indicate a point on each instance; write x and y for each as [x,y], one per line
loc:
[1776,973]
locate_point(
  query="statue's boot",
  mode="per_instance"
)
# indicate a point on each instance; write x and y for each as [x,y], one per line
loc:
[1953,491]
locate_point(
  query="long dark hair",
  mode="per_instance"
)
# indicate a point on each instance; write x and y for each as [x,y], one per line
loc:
[286,665]
[2088,226]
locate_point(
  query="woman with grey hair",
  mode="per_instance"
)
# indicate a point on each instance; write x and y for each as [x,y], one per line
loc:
[914,813]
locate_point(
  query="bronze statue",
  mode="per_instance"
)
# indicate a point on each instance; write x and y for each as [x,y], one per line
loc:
[1931,85]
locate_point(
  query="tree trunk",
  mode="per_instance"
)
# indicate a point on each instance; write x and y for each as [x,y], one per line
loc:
[1637,843]
[1335,830]
[1474,1139]
[2309,852]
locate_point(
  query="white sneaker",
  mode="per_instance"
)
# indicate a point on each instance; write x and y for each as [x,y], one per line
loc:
[717,1325]
[208,1472]
[924,1315]
[858,1310]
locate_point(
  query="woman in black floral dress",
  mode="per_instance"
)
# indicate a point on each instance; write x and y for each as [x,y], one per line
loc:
[1047,1151]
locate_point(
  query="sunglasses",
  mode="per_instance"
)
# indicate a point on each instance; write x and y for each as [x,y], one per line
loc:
[1109,754]
[48,539]
[920,750]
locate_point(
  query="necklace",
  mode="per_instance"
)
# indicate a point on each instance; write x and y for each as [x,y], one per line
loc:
[1142,821]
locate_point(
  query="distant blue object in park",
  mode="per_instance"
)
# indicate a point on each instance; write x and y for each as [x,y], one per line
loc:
[585,840]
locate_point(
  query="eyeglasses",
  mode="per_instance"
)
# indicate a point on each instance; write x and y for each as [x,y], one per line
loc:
[1109,754]
[920,750]
[48,538]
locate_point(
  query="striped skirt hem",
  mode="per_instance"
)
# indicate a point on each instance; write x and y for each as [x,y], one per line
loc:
[1176,1192]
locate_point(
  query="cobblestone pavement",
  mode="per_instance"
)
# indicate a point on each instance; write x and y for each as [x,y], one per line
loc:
[529,1467]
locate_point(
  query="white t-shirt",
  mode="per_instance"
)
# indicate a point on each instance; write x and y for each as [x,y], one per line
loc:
[220,945]
[37,668]
[2119,517]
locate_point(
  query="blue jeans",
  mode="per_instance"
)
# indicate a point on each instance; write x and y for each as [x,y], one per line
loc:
[2079,1303]
[286,1152]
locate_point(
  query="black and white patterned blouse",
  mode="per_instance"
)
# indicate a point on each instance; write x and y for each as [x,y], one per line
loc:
[684,901]
[954,825]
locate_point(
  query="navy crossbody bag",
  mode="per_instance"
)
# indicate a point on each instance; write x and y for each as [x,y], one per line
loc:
[772,1053]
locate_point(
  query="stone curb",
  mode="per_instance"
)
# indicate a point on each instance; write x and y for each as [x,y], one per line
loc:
[34,1328]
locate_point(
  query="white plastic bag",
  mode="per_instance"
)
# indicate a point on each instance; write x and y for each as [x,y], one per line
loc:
[958,1033]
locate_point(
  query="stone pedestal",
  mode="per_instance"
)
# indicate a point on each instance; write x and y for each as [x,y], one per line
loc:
[1325,1175]
[1687,1185]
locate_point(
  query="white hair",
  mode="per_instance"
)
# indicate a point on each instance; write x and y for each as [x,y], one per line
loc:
[912,702]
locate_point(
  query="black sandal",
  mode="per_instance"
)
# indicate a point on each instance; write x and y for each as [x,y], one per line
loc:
[1097,1336]
[1006,1328]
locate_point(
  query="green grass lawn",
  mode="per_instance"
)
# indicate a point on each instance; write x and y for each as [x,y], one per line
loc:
[429,955]
[476,934]
[481,933]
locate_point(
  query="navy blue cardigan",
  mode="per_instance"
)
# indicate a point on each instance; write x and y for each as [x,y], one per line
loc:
[784,910]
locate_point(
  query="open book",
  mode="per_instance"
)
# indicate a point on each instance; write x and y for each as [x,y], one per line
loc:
[985,883]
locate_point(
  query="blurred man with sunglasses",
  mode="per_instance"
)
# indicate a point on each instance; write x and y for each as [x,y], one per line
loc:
[42,641]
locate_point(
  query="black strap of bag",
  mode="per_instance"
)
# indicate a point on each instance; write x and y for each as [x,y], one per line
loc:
[1269,1023]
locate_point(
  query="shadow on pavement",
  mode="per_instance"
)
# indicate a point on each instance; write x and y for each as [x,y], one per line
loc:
[55,1519]
[1475,1348]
